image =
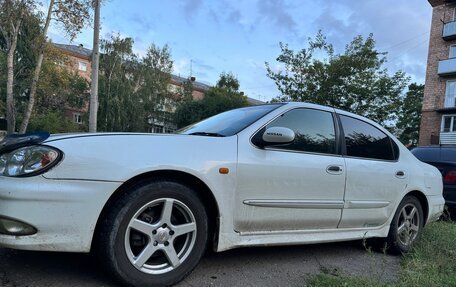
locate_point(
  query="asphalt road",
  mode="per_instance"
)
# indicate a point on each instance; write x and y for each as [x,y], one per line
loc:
[265,266]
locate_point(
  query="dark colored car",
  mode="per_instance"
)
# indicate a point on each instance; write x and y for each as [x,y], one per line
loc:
[443,158]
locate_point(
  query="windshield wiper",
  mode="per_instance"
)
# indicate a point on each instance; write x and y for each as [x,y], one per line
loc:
[206,134]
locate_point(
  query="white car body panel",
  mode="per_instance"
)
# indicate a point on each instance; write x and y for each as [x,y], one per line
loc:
[65,202]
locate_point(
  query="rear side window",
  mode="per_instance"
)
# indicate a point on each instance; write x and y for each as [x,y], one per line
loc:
[366,141]
[314,130]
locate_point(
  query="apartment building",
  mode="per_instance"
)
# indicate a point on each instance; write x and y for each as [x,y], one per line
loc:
[438,123]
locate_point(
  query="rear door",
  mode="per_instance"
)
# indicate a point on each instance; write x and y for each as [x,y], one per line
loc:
[375,175]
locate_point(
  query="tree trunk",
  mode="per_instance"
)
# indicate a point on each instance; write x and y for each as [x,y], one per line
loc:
[36,73]
[10,107]
[95,59]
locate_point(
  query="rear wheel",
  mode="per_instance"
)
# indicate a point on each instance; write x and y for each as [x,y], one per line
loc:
[406,226]
[155,234]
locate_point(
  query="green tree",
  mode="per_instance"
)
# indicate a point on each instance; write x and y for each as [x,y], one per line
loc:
[133,92]
[409,119]
[120,107]
[72,15]
[12,15]
[229,82]
[355,80]
[223,97]
[158,101]
[58,90]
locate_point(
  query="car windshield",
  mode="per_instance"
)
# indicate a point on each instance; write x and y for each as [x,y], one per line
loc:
[228,123]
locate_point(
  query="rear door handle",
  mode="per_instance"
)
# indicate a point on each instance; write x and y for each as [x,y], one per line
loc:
[400,174]
[334,169]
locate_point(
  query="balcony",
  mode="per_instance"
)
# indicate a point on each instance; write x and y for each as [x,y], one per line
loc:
[448,138]
[447,67]
[449,31]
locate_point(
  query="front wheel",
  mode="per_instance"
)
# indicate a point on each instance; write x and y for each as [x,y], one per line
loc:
[155,234]
[406,226]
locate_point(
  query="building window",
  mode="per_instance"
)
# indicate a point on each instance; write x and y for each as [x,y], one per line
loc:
[82,66]
[452,52]
[158,129]
[77,118]
[169,130]
[448,124]
[450,94]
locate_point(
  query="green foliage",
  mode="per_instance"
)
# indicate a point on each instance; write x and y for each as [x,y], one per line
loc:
[2,84]
[73,15]
[327,280]
[355,80]
[432,262]
[228,81]
[53,122]
[223,97]
[156,67]
[58,90]
[185,93]
[117,82]
[132,91]
[25,52]
[410,116]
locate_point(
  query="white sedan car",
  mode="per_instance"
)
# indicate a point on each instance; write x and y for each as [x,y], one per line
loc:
[278,174]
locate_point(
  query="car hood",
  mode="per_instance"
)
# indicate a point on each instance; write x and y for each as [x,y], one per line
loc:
[56,137]
[16,141]
[121,156]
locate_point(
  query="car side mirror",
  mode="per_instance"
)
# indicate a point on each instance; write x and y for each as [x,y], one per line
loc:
[278,135]
[272,136]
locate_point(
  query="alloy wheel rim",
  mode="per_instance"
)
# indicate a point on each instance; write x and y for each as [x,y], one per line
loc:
[160,236]
[408,224]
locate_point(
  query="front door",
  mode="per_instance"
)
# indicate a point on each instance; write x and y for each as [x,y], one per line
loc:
[296,186]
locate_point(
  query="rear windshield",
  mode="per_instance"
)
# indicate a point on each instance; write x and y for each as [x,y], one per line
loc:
[448,154]
[427,154]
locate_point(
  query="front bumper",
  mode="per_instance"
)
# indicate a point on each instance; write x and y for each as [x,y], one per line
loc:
[64,212]
[436,206]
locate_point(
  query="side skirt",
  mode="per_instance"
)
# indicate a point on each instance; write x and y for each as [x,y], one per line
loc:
[235,240]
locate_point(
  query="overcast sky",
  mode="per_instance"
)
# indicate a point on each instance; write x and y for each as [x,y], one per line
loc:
[239,36]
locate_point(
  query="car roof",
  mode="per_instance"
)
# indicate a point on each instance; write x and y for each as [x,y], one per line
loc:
[340,112]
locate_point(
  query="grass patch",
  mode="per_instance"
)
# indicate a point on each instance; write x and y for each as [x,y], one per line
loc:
[432,262]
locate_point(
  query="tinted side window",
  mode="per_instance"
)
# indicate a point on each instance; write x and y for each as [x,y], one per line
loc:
[314,130]
[365,140]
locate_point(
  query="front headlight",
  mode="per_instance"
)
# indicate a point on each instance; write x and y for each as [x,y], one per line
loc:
[28,161]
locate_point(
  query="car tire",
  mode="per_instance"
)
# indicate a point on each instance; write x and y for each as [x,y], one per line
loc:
[406,226]
[154,234]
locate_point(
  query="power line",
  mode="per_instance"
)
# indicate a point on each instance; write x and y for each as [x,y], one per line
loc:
[408,50]
[406,41]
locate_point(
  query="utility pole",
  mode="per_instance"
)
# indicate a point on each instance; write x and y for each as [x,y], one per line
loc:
[95,64]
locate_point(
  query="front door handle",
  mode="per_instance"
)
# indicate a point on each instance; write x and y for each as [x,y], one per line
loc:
[334,169]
